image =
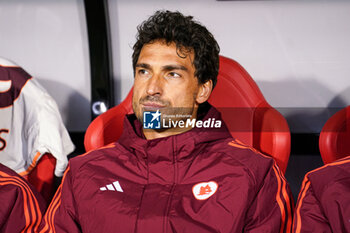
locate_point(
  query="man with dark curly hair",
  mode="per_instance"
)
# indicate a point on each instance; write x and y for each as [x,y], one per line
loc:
[169,171]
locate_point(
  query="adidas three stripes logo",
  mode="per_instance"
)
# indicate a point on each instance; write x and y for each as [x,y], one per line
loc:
[115,186]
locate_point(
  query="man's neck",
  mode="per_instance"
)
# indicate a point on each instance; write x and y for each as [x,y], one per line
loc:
[154,134]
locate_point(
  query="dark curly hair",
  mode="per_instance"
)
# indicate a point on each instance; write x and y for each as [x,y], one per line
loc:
[188,35]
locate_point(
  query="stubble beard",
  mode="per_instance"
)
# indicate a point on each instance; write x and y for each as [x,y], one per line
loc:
[168,112]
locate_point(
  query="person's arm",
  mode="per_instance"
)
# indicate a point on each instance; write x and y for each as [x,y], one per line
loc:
[309,216]
[21,207]
[272,208]
[61,214]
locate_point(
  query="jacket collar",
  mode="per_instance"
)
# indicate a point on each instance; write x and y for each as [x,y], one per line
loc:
[181,146]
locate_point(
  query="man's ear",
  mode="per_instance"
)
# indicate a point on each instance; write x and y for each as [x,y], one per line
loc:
[204,91]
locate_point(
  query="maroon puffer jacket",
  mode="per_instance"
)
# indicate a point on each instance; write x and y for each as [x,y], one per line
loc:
[198,181]
[21,206]
[324,200]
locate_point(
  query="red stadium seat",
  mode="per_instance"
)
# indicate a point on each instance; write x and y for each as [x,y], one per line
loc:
[42,176]
[244,109]
[335,137]
[107,127]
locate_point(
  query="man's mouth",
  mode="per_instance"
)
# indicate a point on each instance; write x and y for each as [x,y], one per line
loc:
[151,106]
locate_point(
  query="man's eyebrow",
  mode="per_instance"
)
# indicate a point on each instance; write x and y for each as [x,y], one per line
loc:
[174,67]
[143,65]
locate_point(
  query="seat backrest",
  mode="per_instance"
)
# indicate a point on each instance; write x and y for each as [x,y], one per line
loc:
[334,141]
[243,107]
[248,115]
[107,127]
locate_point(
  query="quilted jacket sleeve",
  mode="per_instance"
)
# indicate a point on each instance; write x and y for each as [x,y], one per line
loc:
[61,215]
[21,206]
[272,207]
[309,216]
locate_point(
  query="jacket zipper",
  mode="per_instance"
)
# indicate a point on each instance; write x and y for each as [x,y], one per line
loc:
[168,208]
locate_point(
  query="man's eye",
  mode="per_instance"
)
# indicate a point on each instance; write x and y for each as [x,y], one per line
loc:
[143,72]
[173,75]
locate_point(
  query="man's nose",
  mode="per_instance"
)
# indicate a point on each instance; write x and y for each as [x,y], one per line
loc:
[155,85]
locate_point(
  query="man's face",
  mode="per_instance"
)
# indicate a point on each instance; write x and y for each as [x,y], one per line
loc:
[165,81]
